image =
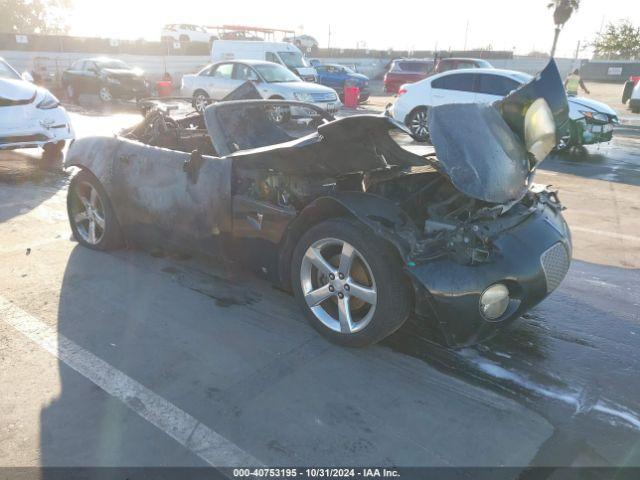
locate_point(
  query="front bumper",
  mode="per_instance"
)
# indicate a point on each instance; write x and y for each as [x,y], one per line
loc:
[531,259]
[329,107]
[33,128]
[127,91]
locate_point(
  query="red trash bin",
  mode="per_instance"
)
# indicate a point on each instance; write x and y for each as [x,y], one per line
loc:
[164,88]
[351,97]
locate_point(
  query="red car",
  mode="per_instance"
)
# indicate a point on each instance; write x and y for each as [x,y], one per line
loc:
[406,71]
[446,64]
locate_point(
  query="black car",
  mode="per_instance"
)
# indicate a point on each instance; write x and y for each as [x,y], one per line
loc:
[362,224]
[106,77]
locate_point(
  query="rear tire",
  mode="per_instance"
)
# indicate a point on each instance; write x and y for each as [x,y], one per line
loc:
[375,291]
[200,100]
[91,216]
[105,95]
[418,123]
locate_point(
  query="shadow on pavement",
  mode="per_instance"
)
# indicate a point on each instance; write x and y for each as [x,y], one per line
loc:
[18,168]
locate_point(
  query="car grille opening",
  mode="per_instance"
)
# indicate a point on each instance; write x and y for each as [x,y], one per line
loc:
[555,263]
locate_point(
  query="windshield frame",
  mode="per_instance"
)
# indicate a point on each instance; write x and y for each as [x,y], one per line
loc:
[9,69]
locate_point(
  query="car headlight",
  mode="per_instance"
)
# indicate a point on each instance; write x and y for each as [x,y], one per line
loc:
[48,102]
[598,117]
[303,97]
[494,301]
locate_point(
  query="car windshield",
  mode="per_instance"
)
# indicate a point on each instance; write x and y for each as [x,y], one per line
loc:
[115,64]
[413,67]
[7,72]
[293,59]
[272,73]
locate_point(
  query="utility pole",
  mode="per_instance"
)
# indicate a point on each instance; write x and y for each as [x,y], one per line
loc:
[466,35]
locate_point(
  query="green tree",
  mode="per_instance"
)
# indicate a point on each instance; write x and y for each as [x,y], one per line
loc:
[34,16]
[618,41]
[562,10]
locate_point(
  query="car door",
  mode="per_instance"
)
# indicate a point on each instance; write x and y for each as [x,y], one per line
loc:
[73,74]
[90,82]
[166,196]
[243,73]
[491,87]
[220,82]
[453,88]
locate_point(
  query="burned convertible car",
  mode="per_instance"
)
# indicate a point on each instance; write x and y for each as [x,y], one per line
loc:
[363,225]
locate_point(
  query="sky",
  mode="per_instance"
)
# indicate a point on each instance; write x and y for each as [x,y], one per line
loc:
[519,25]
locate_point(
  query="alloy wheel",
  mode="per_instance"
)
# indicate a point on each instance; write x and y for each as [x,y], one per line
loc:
[338,285]
[87,213]
[105,94]
[278,114]
[201,102]
[419,124]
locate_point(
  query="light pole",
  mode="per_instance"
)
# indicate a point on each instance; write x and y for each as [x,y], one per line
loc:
[561,14]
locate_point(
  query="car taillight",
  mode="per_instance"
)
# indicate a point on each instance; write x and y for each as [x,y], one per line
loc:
[402,91]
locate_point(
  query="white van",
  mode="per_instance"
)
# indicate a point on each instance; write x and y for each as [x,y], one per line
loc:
[277,52]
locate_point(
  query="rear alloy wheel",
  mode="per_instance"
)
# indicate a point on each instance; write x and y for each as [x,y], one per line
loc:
[200,101]
[91,216]
[353,292]
[418,123]
[279,114]
[105,94]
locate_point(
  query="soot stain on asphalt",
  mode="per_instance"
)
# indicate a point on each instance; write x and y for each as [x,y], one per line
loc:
[225,292]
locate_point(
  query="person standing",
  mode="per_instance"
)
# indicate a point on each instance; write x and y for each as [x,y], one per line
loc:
[572,83]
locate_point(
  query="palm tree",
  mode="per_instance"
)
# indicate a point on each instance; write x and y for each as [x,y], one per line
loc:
[561,14]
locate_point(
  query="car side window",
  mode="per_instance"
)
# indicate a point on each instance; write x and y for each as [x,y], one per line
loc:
[89,66]
[460,81]
[222,71]
[461,65]
[244,72]
[490,84]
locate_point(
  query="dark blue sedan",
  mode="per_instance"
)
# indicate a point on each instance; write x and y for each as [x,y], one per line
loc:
[337,76]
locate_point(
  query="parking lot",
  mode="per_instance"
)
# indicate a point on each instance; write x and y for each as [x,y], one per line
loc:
[135,358]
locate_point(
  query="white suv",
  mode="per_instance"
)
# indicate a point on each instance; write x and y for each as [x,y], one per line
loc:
[183,32]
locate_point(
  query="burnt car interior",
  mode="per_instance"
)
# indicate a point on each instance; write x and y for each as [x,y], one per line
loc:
[443,208]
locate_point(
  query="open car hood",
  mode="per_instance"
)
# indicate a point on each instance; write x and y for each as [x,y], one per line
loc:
[481,148]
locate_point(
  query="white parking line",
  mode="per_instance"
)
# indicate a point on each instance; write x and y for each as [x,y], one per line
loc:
[605,233]
[207,444]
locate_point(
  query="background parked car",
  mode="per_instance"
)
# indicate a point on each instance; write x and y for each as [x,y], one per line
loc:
[631,94]
[306,43]
[106,77]
[446,64]
[30,116]
[273,81]
[590,121]
[338,76]
[184,32]
[240,35]
[406,71]
[277,52]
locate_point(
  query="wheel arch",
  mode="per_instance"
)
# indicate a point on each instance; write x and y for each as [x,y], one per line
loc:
[377,214]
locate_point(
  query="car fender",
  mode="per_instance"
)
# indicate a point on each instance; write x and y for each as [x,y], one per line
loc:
[95,154]
[377,214]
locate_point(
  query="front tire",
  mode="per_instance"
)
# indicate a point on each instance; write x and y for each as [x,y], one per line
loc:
[418,123]
[352,291]
[91,215]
